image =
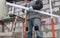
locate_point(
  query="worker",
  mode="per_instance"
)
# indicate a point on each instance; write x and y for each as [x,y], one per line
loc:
[34,18]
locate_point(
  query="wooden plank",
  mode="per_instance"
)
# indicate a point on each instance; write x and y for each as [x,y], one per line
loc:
[50,30]
[11,19]
[6,33]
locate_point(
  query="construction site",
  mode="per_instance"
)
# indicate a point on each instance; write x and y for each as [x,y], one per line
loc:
[15,25]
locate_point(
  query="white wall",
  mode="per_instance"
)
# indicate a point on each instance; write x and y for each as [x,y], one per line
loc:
[3,9]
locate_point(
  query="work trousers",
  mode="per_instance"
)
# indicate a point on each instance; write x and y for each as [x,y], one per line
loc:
[36,23]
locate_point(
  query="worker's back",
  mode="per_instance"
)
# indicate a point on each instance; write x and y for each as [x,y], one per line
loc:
[36,5]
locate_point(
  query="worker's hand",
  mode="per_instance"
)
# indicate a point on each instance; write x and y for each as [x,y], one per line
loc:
[24,9]
[30,9]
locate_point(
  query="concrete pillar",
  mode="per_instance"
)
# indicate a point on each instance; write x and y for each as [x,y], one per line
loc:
[3,9]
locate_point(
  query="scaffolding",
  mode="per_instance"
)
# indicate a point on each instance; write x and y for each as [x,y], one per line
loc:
[16,22]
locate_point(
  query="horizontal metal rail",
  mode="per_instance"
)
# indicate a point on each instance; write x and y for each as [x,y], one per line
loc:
[26,8]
